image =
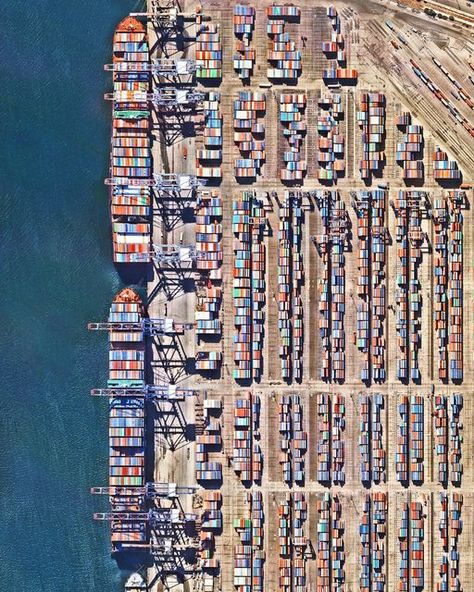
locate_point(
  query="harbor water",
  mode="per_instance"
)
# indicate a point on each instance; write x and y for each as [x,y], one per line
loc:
[56,274]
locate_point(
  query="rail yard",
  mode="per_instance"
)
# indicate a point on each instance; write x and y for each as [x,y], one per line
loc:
[290,385]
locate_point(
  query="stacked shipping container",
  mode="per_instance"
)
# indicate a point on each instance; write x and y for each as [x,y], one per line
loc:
[244,23]
[336,49]
[249,134]
[293,440]
[249,555]
[330,153]
[292,515]
[330,445]
[209,158]
[331,246]
[409,150]
[372,452]
[247,453]
[373,530]
[292,108]
[290,279]
[450,527]
[371,119]
[283,55]
[209,52]
[210,440]
[249,286]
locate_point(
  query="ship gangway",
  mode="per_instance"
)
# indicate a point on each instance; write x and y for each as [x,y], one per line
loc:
[166,392]
[152,327]
[151,490]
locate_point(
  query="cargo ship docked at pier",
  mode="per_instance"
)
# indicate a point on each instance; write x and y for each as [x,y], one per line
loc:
[130,166]
[127,422]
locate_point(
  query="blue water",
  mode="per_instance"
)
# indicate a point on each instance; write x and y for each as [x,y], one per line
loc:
[56,274]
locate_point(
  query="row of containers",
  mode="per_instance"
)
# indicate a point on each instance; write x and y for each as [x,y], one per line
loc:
[249,553]
[448,284]
[439,94]
[410,238]
[249,133]
[448,438]
[443,168]
[293,543]
[370,208]
[283,56]
[371,119]
[409,454]
[373,459]
[373,536]
[335,50]
[290,280]
[211,525]
[208,53]
[208,220]
[209,157]
[247,457]
[411,535]
[331,246]
[127,423]
[293,439]
[243,21]
[209,441]
[331,423]
[248,225]
[330,155]
[292,108]
[330,553]
[450,527]
[410,150]
[131,163]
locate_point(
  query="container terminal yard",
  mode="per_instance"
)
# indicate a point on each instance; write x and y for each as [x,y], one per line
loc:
[290,398]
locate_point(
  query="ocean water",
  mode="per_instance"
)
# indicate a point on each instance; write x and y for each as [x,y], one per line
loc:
[56,274]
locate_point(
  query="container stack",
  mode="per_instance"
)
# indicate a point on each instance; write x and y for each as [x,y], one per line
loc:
[330,554]
[335,50]
[208,52]
[371,118]
[371,313]
[330,153]
[455,284]
[211,524]
[290,278]
[247,455]
[131,152]
[337,445]
[331,246]
[209,157]
[417,575]
[409,150]
[249,286]
[455,440]
[293,440]
[208,441]
[249,133]
[208,216]
[402,120]
[372,453]
[292,515]
[206,314]
[443,168]
[403,539]
[292,108]
[208,361]
[372,530]
[440,417]
[408,294]
[331,424]
[244,23]
[416,439]
[401,454]
[283,55]
[440,264]
[450,527]
[249,555]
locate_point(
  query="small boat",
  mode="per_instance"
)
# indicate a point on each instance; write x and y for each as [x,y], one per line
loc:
[135,583]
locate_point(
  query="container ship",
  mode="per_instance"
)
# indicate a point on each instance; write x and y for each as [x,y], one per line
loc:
[130,167]
[127,422]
